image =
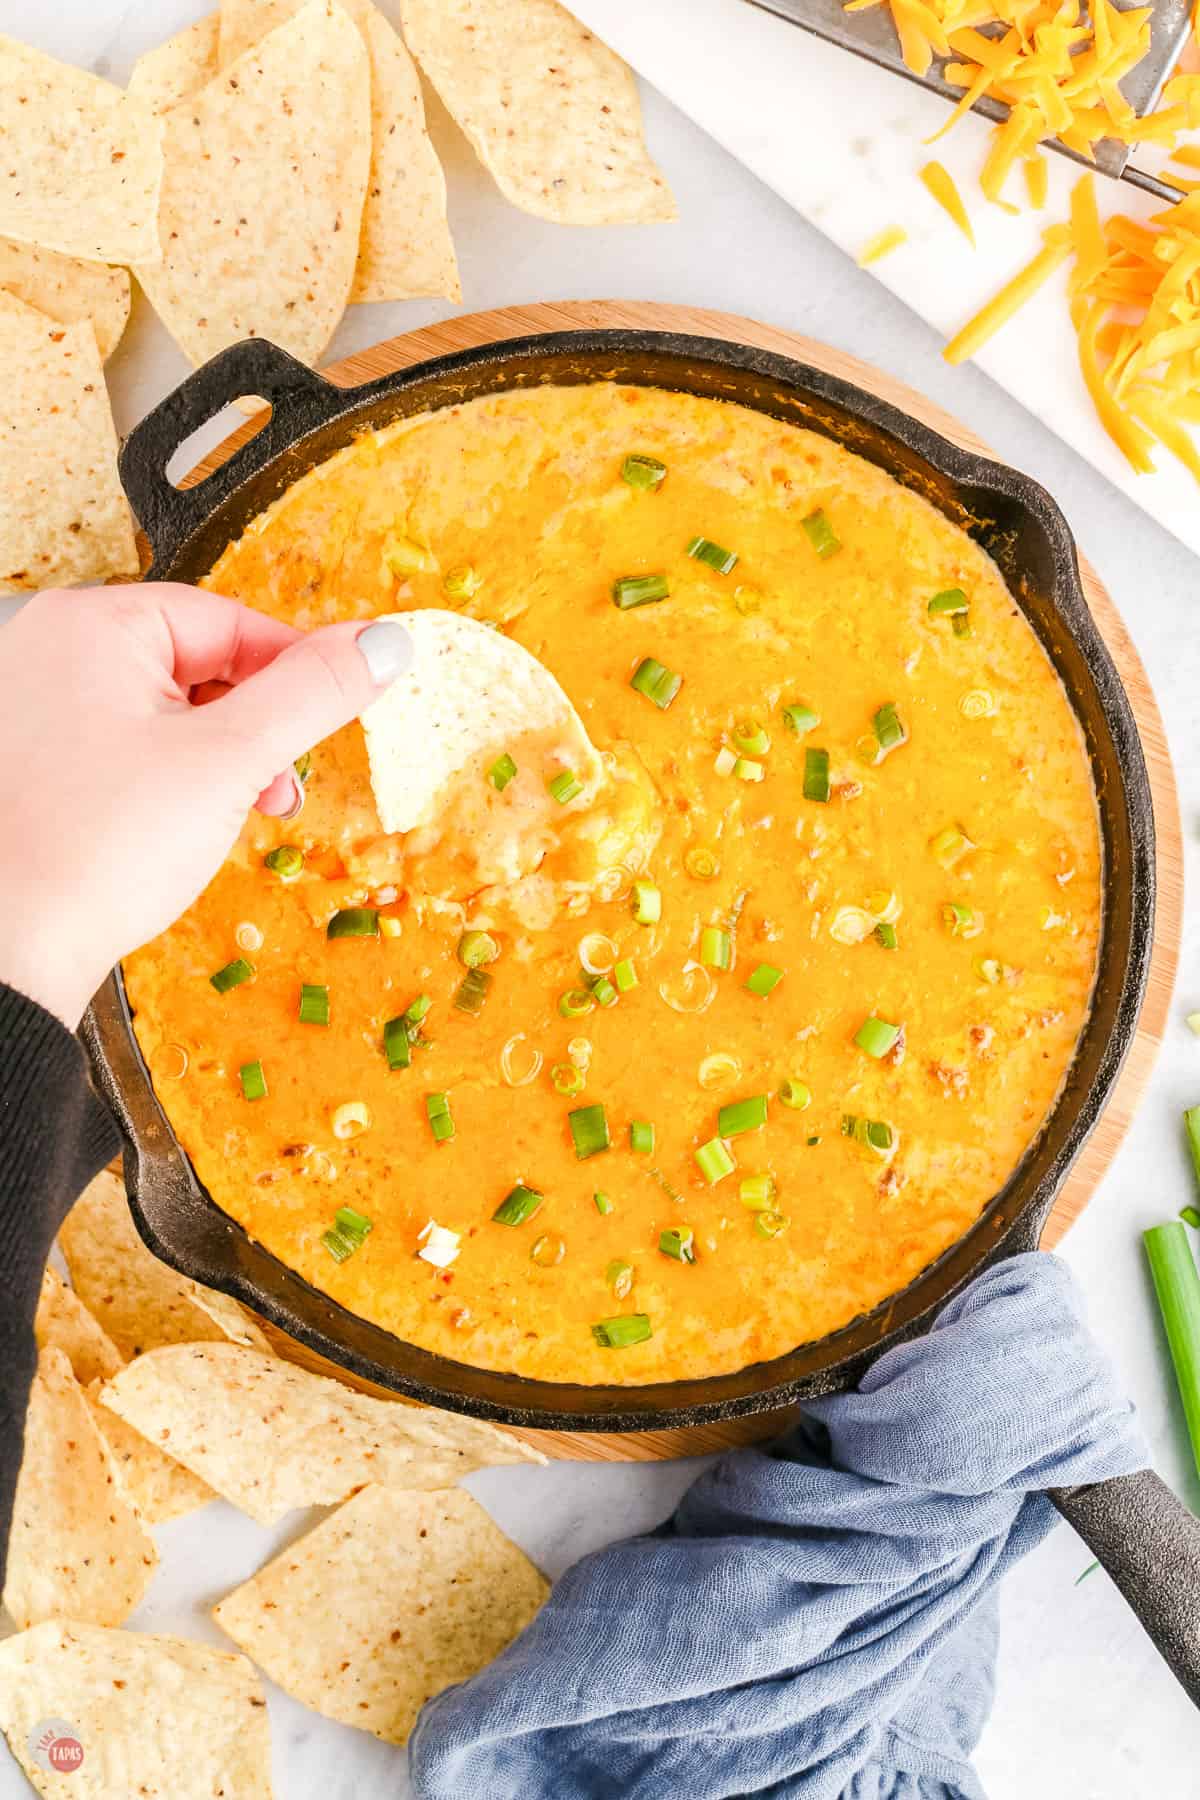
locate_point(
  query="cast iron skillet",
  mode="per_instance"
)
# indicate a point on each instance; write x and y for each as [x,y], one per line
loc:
[1134,1524]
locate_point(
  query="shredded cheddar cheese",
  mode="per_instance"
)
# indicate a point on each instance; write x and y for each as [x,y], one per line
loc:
[942,186]
[882,244]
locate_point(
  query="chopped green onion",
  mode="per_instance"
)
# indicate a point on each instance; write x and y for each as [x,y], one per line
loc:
[475,948]
[957,919]
[603,1204]
[701,863]
[726,761]
[403,557]
[1191,1125]
[988,969]
[314,1005]
[950,846]
[353,921]
[437,1111]
[950,600]
[351,1224]
[745,769]
[770,1224]
[656,682]
[232,975]
[473,991]
[820,533]
[418,1008]
[800,718]
[639,590]
[1177,1286]
[286,862]
[603,991]
[567,1079]
[977,703]
[564,786]
[621,1332]
[764,979]
[1192,1021]
[619,1276]
[462,582]
[589,1131]
[961,624]
[875,1133]
[750,737]
[254,1082]
[795,1094]
[716,948]
[518,1205]
[647,902]
[643,471]
[1190,1216]
[303,767]
[889,732]
[575,1003]
[756,1192]
[641,1137]
[876,1036]
[625,975]
[714,1161]
[816,775]
[811,1141]
[339,1246]
[397,1043]
[703,550]
[885,935]
[502,771]
[678,1241]
[742,1115]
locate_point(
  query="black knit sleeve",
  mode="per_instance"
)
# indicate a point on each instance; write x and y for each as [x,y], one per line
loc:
[55,1135]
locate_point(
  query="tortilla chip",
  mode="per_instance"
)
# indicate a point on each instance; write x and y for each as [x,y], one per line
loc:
[65,1322]
[78,1548]
[158,1486]
[140,1302]
[550,111]
[66,289]
[82,163]
[176,69]
[269,1436]
[391,1599]
[405,249]
[471,692]
[155,1717]
[63,514]
[266,172]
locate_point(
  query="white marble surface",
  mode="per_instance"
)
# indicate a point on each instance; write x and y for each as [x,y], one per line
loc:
[1084,1711]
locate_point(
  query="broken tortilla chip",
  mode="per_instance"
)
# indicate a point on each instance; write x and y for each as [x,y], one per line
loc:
[156,1717]
[470,693]
[551,112]
[158,1486]
[78,1548]
[140,1302]
[82,163]
[63,514]
[65,1322]
[388,1601]
[68,289]
[405,250]
[173,70]
[262,197]
[270,1436]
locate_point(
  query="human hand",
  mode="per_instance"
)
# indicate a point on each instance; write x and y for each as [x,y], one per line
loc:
[121,795]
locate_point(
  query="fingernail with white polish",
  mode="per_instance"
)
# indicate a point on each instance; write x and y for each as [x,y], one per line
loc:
[388,650]
[298,802]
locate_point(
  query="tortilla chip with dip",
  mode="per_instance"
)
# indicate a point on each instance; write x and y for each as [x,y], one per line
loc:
[62,1320]
[140,1302]
[155,1717]
[405,249]
[270,1436]
[67,289]
[82,162]
[262,196]
[158,1486]
[551,112]
[173,70]
[63,513]
[78,1548]
[391,1599]
[470,694]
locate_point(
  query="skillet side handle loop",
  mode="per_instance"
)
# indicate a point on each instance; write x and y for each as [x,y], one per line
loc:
[299,399]
[1149,1543]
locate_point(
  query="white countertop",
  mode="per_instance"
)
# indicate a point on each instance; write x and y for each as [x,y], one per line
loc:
[1085,1711]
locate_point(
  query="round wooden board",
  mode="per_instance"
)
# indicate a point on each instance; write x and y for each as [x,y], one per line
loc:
[523,321]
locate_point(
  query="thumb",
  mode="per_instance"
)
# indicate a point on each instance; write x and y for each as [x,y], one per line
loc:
[313,688]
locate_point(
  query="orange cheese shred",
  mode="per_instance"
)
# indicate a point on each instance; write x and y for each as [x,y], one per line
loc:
[1001,307]
[941,185]
[882,244]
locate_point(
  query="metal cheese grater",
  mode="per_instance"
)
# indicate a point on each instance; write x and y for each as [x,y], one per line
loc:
[872,35]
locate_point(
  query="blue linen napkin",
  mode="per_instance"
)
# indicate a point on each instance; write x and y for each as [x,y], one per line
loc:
[818,1621]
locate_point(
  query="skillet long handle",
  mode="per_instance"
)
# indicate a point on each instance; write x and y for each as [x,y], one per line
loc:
[1150,1544]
